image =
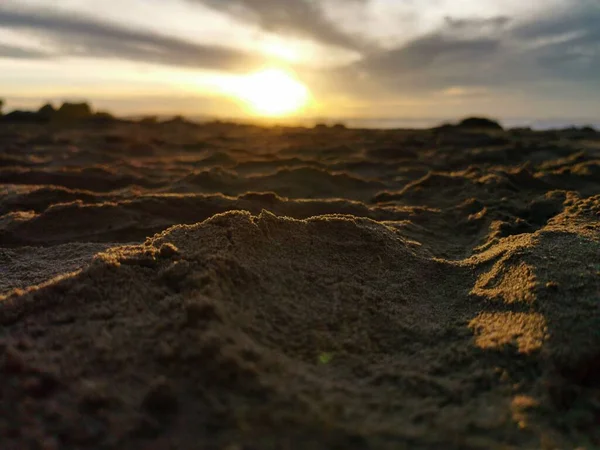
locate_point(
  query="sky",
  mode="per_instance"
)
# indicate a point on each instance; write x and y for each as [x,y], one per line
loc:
[340,58]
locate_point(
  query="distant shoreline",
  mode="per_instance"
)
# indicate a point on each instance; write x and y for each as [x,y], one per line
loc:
[382,123]
[84,111]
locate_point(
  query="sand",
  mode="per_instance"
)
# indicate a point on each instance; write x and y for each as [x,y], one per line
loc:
[179,286]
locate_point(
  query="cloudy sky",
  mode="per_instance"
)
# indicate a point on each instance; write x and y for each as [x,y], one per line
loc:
[357,58]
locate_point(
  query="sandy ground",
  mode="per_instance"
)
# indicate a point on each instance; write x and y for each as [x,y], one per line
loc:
[174,286]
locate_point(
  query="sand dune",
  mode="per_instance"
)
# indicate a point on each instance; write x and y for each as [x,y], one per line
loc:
[229,287]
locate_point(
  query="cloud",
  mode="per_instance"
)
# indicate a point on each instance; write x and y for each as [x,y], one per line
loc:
[580,15]
[302,18]
[10,51]
[566,44]
[431,52]
[477,22]
[497,54]
[452,51]
[74,35]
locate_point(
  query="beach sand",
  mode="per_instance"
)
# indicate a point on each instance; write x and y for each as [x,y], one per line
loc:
[221,286]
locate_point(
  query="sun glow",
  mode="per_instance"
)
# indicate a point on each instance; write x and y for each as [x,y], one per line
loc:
[272,92]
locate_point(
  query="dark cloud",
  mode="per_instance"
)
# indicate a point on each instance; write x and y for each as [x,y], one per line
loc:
[567,43]
[81,36]
[303,18]
[9,51]
[435,51]
[581,16]
[559,49]
[477,22]
[430,63]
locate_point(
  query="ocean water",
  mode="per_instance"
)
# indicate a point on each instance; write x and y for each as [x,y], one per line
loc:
[391,123]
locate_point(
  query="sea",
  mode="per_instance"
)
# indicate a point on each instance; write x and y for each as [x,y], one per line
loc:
[409,123]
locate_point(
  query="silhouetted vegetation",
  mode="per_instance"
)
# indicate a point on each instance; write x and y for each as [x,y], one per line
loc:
[19,116]
[582,130]
[148,120]
[74,111]
[47,112]
[67,113]
[102,117]
[479,123]
[445,127]
[179,120]
[471,123]
[579,133]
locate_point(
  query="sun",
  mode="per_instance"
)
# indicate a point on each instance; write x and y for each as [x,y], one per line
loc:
[272,92]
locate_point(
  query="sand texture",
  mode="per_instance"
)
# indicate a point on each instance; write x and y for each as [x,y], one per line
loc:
[173,286]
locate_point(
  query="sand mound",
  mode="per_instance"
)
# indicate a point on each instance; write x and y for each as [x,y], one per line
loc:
[314,327]
[436,303]
[334,331]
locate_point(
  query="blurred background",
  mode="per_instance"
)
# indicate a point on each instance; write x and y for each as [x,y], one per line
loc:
[374,63]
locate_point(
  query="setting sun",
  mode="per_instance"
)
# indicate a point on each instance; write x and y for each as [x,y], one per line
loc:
[272,92]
